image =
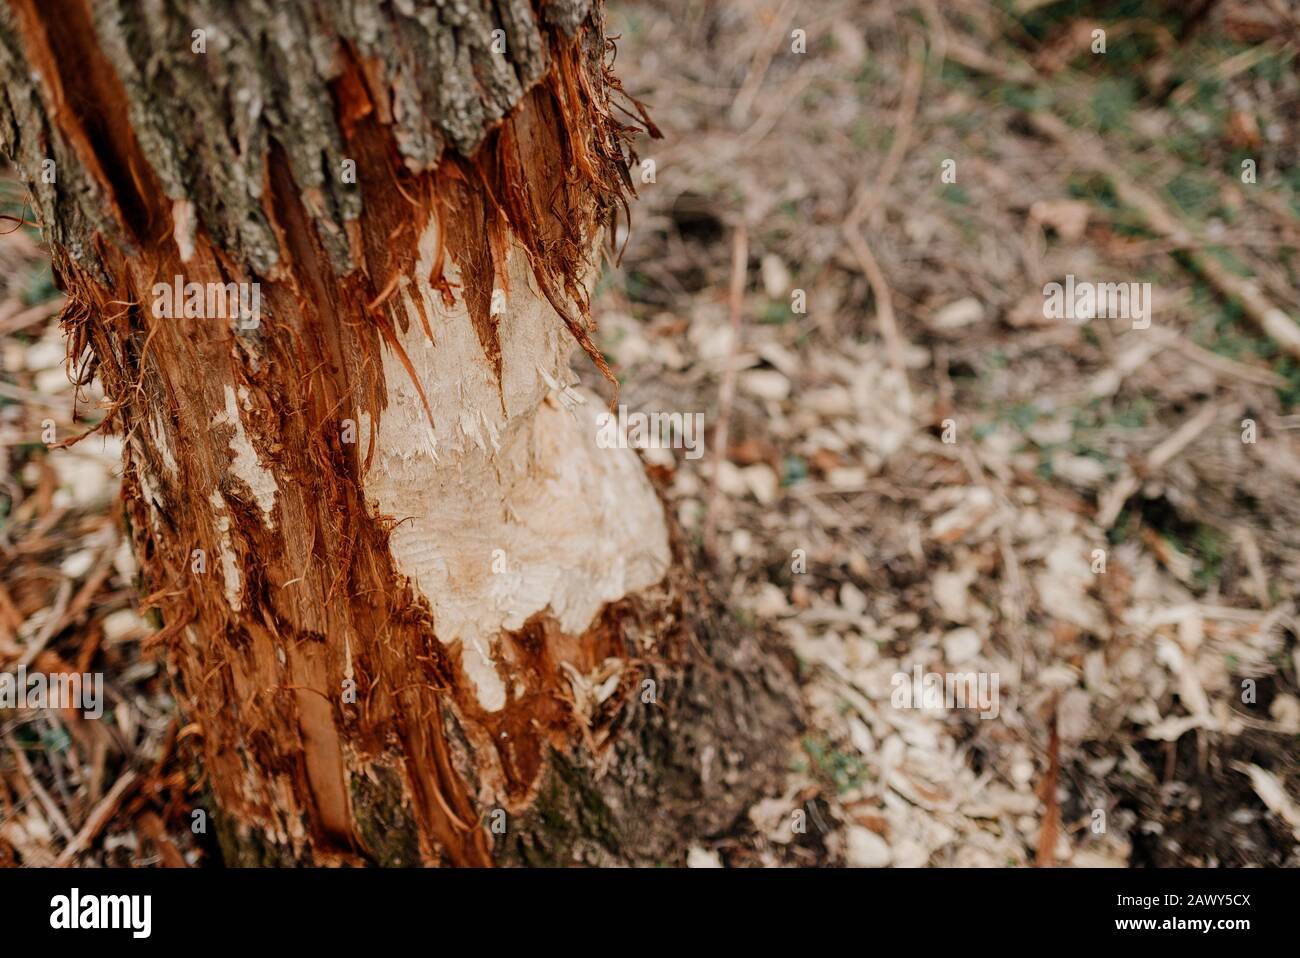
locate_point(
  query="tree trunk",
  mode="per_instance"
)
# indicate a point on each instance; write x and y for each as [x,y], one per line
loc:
[414,612]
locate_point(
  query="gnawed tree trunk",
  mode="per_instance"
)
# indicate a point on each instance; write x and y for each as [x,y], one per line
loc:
[407,598]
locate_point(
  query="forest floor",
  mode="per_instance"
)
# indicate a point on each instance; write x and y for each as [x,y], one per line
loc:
[922,471]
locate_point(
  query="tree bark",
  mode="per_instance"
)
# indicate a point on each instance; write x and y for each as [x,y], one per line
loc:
[414,613]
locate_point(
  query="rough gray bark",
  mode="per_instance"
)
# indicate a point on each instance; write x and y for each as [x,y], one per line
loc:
[206,122]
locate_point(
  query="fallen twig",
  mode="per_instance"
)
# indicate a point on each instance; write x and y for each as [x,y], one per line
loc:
[727,391]
[1047,835]
[98,818]
[868,198]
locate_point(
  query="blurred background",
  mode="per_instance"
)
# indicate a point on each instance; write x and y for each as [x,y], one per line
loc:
[839,257]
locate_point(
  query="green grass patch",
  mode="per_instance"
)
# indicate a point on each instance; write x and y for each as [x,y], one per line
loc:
[841,769]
